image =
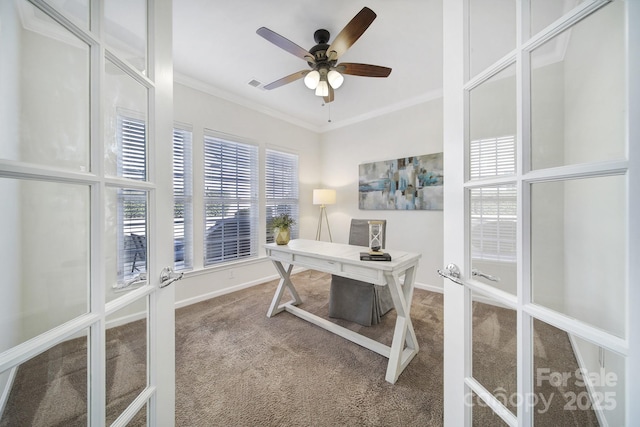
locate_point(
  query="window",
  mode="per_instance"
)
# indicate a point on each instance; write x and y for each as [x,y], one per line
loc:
[230,200]
[493,209]
[281,187]
[132,204]
[182,199]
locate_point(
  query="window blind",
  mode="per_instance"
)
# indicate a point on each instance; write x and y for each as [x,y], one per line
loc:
[493,209]
[132,204]
[230,200]
[492,157]
[281,188]
[183,199]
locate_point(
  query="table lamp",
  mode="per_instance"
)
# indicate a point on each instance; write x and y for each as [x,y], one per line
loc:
[323,197]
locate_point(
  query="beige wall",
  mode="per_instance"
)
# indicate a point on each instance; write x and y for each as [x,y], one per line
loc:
[413,131]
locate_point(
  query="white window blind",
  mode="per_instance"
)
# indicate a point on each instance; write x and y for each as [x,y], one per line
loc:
[132,204]
[493,209]
[133,162]
[230,200]
[493,223]
[183,199]
[281,188]
[492,157]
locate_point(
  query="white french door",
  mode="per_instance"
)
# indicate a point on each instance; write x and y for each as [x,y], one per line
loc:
[542,214]
[86,326]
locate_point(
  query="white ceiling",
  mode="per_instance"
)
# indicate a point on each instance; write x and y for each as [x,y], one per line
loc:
[216,49]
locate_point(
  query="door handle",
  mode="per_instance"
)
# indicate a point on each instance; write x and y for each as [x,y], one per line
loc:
[451,272]
[168,276]
[485,275]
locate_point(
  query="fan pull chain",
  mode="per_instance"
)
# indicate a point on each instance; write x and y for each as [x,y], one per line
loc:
[329,114]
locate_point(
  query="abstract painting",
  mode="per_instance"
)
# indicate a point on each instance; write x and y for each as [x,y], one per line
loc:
[410,183]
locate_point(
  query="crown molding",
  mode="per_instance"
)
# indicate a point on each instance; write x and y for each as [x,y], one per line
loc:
[228,96]
[429,96]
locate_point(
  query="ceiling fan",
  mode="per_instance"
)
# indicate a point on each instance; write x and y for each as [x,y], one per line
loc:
[326,74]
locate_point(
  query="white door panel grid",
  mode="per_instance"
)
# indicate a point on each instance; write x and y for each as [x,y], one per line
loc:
[86,328]
[542,164]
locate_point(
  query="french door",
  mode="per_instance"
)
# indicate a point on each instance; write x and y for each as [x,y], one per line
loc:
[542,218]
[86,325]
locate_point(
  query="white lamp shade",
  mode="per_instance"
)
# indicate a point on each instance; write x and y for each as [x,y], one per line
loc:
[323,88]
[335,79]
[311,79]
[324,196]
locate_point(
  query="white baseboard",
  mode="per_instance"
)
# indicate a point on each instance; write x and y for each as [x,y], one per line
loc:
[220,292]
[203,297]
[602,419]
[430,288]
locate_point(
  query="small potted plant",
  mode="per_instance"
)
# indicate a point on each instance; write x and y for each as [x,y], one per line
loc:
[281,226]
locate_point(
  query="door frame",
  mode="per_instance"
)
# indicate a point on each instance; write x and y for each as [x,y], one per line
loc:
[457,298]
[159,394]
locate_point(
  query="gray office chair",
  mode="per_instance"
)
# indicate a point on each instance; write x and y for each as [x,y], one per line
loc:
[354,300]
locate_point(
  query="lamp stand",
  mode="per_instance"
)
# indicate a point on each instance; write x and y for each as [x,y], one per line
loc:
[323,211]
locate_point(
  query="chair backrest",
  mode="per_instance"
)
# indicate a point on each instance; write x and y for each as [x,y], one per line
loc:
[359,233]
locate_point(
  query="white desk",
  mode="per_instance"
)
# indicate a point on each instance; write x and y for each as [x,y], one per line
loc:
[344,260]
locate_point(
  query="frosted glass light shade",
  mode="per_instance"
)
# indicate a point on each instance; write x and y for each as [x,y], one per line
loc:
[323,88]
[335,79]
[324,196]
[311,79]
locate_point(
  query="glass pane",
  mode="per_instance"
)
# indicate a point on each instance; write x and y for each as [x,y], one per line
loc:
[573,378]
[578,240]
[51,388]
[492,32]
[126,110]
[544,12]
[482,415]
[492,126]
[53,66]
[494,334]
[584,376]
[126,350]
[493,220]
[126,240]
[578,93]
[44,257]
[126,30]
[76,10]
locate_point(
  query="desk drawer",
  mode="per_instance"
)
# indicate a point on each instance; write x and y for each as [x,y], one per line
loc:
[319,264]
[281,256]
[363,273]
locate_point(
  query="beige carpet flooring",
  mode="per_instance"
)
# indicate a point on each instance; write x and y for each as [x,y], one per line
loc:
[237,367]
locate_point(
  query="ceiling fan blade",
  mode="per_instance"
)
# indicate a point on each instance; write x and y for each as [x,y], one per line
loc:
[285,44]
[329,98]
[351,33]
[288,79]
[365,70]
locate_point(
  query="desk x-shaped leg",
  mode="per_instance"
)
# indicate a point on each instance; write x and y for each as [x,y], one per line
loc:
[401,294]
[404,346]
[285,283]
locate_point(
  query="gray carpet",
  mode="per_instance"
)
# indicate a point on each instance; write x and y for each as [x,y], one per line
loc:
[247,370]
[236,367]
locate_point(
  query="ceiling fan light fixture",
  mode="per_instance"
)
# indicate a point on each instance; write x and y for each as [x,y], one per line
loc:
[323,88]
[335,79]
[311,79]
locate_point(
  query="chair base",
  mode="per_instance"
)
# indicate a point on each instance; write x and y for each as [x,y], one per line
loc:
[357,301]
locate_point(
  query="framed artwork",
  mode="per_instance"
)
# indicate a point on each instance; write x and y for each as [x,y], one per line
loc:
[410,183]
